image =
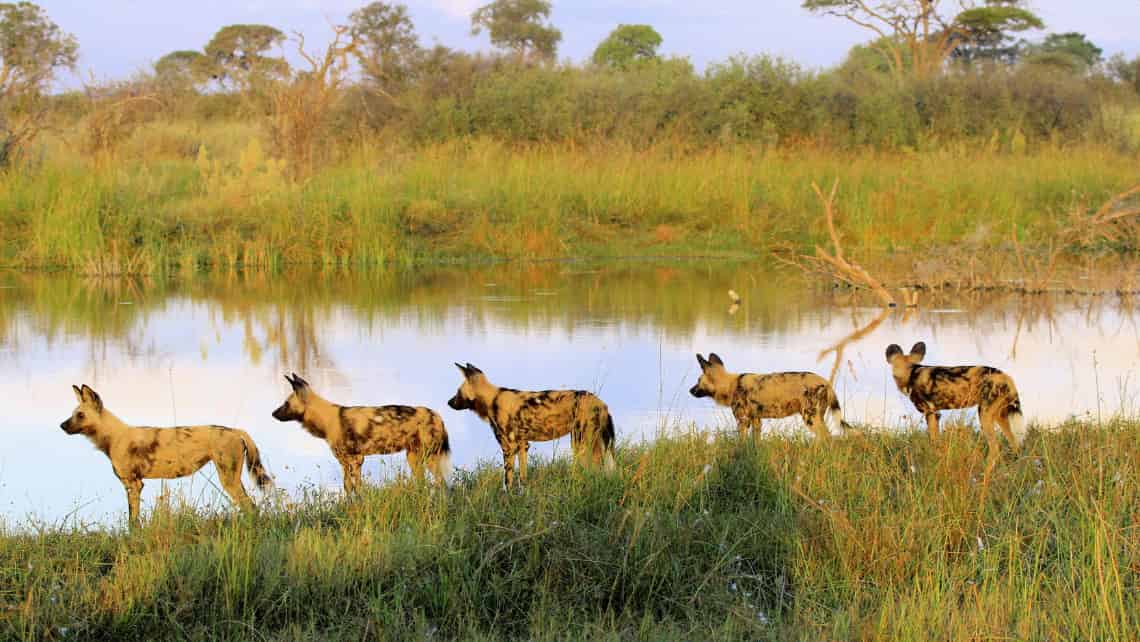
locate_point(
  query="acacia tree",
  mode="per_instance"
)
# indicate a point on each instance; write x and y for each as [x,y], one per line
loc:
[627,45]
[32,49]
[520,26]
[387,45]
[179,70]
[237,55]
[928,30]
[986,33]
[1072,51]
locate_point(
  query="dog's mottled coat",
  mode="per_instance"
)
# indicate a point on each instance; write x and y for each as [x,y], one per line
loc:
[139,453]
[354,432]
[935,388]
[519,417]
[755,397]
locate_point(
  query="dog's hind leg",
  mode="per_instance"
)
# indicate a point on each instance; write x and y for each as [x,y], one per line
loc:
[229,473]
[932,425]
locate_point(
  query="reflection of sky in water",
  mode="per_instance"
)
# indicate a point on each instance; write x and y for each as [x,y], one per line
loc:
[187,363]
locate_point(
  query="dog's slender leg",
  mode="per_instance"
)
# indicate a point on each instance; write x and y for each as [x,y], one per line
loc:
[134,491]
[522,462]
[932,425]
[986,419]
[350,468]
[508,467]
[229,473]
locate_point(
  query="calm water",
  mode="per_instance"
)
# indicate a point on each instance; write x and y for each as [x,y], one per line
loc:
[214,349]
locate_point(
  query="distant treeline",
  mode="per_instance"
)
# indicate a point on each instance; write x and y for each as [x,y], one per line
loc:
[930,79]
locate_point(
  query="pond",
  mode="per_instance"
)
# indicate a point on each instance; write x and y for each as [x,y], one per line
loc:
[213,349]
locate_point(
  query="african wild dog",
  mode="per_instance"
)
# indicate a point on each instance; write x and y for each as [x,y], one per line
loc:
[139,453]
[934,388]
[755,397]
[519,417]
[354,432]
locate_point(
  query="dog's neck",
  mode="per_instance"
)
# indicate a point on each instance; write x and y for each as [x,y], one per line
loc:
[485,393]
[725,388]
[107,431]
[320,413]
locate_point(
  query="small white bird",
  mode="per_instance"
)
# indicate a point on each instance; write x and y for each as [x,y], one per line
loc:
[734,297]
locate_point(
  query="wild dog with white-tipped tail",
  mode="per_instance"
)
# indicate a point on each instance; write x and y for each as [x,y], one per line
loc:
[756,397]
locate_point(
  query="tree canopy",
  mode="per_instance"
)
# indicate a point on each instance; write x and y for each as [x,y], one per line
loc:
[1072,51]
[388,45]
[237,53]
[520,26]
[928,30]
[627,45]
[32,48]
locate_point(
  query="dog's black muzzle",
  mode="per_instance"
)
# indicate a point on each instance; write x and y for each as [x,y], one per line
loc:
[283,414]
[458,403]
[698,393]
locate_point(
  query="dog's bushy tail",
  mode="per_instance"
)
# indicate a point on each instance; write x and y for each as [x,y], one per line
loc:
[253,462]
[833,416]
[441,466]
[1016,421]
[608,437]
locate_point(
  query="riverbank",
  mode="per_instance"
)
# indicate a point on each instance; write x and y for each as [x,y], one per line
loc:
[218,200]
[873,536]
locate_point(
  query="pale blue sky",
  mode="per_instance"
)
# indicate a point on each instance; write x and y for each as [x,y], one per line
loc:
[119,36]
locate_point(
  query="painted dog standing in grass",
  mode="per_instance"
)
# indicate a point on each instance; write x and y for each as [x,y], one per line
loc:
[755,397]
[935,388]
[519,417]
[354,432]
[139,453]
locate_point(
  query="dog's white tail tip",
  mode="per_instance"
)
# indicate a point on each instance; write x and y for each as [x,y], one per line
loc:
[1017,427]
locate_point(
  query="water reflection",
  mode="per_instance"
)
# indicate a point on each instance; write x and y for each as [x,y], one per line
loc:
[213,349]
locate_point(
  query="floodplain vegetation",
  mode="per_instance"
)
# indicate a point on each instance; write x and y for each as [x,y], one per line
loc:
[697,536]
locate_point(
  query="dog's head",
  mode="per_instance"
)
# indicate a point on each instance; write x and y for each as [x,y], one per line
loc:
[902,364]
[465,398]
[86,415]
[712,371]
[294,407]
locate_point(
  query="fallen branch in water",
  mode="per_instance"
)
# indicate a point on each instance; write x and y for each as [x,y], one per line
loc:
[837,265]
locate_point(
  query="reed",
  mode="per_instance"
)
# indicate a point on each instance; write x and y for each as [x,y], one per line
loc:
[193,198]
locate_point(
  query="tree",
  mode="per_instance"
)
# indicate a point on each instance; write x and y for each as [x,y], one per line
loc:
[179,70]
[32,49]
[987,32]
[388,46]
[923,28]
[237,54]
[520,26]
[1072,51]
[628,45]
[1126,71]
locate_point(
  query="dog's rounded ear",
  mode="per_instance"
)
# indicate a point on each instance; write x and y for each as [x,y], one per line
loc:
[78,393]
[472,369]
[92,397]
[297,382]
[715,360]
[702,361]
[917,353]
[462,368]
[893,351]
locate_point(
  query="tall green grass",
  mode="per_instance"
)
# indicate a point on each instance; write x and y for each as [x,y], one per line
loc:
[870,537]
[231,204]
